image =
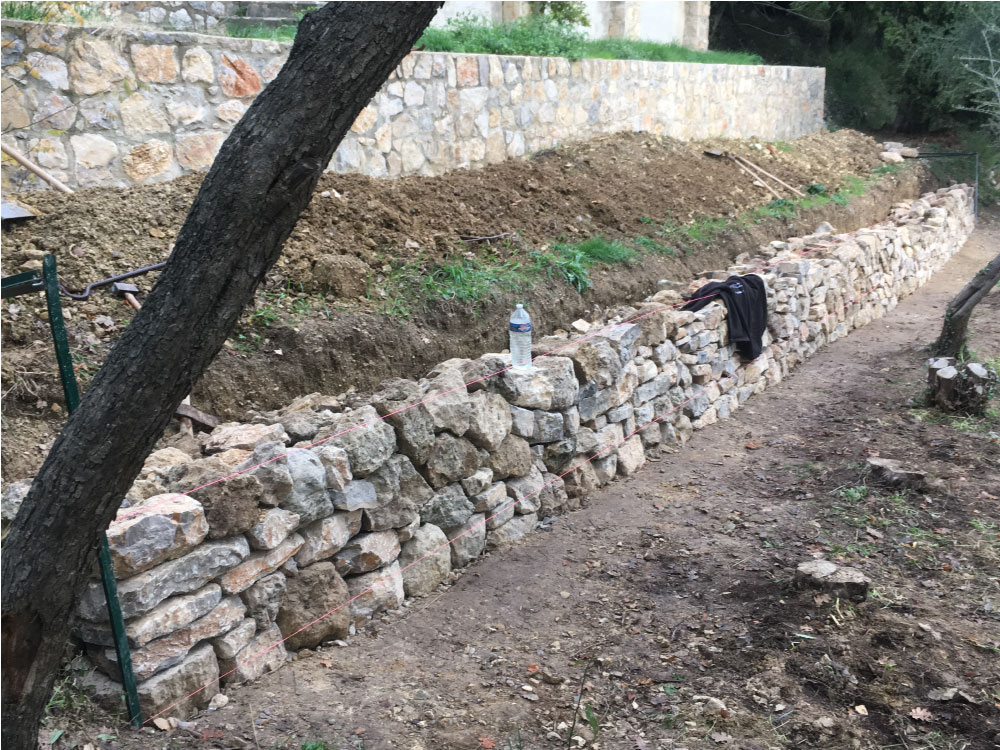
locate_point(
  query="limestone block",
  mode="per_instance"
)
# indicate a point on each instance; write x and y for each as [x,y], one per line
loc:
[229,645]
[429,546]
[366,552]
[337,464]
[170,650]
[263,599]
[142,592]
[490,419]
[512,458]
[447,401]
[197,150]
[153,158]
[171,615]
[450,460]
[553,497]
[356,495]
[401,492]
[13,106]
[449,507]
[522,421]
[309,497]
[549,384]
[367,439]
[272,529]
[155,63]
[93,150]
[94,65]
[558,456]
[238,77]
[173,525]
[850,583]
[200,669]
[489,499]
[48,68]
[243,436]
[630,456]
[316,591]
[478,482]
[326,537]
[230,111]
[504,537]
[375,592]
[468,541]
[525,491]
[196,66]
[258,565]
[268,463]
[263,654]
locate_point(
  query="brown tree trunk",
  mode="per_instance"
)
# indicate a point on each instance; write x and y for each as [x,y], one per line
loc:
[247,206]
[956,317]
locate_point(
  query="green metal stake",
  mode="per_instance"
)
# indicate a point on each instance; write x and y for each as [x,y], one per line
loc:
[68,378]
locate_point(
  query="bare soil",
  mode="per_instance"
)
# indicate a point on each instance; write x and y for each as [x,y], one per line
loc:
[667,609]
[300,338]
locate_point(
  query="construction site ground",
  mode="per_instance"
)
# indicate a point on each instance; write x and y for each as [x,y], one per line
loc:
[377,280]
[665,614]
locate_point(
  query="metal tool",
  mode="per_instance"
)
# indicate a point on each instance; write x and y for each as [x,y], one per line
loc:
[126,292]
[104,282]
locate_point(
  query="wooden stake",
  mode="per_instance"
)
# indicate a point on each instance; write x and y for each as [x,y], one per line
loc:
[780,182]
[25,162]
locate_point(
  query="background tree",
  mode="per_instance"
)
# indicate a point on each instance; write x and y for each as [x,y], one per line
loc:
[951,342]
[889,65]
[247,206]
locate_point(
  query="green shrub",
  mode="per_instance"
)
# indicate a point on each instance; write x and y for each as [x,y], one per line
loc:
[529,35]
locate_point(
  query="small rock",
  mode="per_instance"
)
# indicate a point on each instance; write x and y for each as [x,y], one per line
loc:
[823,574]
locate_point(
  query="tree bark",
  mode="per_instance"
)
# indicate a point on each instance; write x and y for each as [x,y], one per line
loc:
[261,180]
[956,318]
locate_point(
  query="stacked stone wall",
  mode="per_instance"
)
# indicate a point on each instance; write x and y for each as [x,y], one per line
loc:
[107,106]
[333,504]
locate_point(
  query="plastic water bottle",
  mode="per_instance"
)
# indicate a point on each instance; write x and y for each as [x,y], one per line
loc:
[520,339]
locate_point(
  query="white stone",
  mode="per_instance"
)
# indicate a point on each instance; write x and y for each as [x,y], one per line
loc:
[429,546]
[93,150]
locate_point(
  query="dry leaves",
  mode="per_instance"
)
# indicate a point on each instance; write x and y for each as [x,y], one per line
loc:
[921,714]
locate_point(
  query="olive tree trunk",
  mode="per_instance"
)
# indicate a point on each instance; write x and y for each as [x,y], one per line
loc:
[247,206]
[956,317]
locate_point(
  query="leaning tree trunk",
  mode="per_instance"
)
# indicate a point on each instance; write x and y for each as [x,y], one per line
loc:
[956,317]
[247,206]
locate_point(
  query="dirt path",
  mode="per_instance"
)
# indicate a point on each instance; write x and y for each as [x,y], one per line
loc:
[669,597]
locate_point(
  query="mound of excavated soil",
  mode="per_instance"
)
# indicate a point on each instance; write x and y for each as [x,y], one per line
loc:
[360,228]
[600,187]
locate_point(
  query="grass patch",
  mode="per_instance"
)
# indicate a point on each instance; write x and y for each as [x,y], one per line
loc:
[284,33]
[532,35]
[627,49]
[50,11]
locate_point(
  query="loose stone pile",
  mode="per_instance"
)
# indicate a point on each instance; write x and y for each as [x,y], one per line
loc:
[208,579]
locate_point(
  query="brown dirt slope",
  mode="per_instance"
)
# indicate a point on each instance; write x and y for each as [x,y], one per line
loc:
[602,186]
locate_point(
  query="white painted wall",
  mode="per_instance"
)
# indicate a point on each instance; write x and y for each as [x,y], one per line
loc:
[661,20]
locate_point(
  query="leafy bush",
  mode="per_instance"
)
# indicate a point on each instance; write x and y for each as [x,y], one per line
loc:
[529,35]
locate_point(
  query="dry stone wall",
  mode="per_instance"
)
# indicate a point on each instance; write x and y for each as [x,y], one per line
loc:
[102,106]
[335,505]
